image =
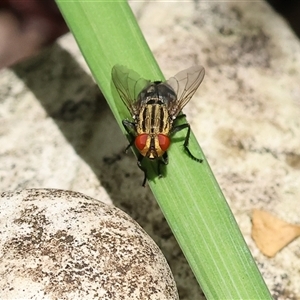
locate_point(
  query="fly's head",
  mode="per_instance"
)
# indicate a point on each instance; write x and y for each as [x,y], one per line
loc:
[152,145]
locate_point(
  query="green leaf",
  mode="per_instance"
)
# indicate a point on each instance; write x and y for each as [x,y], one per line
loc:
[189,196]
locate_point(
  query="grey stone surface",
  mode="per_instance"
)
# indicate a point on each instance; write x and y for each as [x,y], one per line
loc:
[64,245]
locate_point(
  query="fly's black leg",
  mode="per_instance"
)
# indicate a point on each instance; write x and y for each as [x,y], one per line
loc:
[130,128]
[186,141]
[139,163]
[163,161]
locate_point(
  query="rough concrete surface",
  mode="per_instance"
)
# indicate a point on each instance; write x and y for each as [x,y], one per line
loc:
[245,116]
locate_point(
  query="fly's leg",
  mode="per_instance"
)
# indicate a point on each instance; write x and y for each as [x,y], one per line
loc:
[163,161]
[186,141]
[139,163]
[130,128]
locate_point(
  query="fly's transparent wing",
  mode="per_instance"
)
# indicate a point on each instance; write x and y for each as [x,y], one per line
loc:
[184,84]
[128,84]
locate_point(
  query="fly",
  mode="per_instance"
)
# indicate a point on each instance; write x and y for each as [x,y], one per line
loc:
[154,106]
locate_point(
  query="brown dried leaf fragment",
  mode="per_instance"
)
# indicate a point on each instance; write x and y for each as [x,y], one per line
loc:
[270,233]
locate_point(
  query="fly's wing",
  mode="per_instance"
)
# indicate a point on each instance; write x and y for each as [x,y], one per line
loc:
[128,84]
[184,84]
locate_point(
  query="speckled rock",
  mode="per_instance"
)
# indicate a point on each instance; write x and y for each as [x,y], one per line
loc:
[58,244]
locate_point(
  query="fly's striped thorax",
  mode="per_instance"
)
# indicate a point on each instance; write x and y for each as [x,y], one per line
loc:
[153,119]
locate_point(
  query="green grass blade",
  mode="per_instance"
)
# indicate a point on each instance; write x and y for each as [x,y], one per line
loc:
[188,195]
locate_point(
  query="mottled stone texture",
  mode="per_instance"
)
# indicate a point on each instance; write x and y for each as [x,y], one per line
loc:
[64,245]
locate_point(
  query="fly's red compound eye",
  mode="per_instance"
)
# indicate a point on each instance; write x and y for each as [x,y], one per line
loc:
[164,142]
[141,141]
